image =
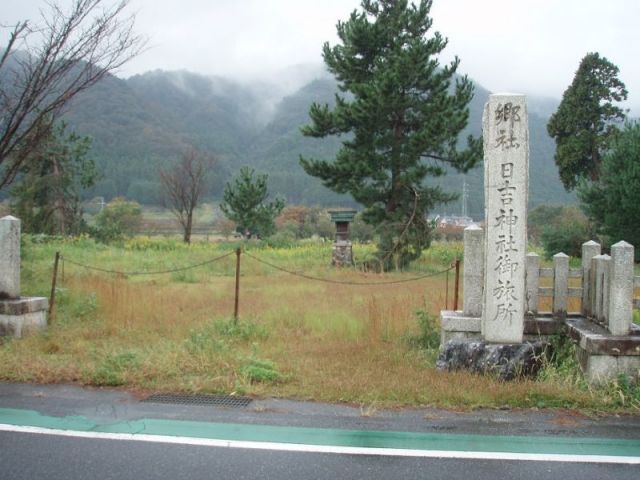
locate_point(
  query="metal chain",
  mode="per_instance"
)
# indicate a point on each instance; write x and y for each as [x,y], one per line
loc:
[153,272]
[302,275]
[338,282]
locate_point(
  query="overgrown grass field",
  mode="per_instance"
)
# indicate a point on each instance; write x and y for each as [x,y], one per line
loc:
[373,345]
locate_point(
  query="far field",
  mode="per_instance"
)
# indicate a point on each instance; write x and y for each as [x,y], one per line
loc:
[372,345]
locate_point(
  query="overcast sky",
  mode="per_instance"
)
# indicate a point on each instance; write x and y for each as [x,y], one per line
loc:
[529,46]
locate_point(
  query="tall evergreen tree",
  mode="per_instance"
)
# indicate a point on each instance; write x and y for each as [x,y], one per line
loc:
[611,202]
[401,115]
[47,194]
[245,202]
[585,122]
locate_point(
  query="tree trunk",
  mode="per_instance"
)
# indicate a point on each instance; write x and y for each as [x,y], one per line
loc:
[187,228]
[59,201]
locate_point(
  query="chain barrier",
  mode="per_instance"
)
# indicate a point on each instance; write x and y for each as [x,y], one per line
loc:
[153,272]
[338,282]
[238,253]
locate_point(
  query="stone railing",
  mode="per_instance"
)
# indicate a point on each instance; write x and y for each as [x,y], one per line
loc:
[606,291]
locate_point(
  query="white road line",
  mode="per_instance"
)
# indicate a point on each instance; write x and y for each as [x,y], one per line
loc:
[292,447]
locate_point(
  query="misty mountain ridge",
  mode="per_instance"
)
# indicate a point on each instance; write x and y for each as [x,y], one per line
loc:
[142,123]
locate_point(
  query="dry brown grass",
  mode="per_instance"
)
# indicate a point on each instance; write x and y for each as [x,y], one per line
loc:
[328,342]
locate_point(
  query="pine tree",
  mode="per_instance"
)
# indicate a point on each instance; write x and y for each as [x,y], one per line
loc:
[245,202]
[585,122]
[401,115]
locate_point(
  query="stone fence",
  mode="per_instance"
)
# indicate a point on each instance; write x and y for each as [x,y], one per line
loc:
[607,341]
[606,291]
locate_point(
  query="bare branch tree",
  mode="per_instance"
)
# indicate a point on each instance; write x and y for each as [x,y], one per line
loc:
[183,186]
[43,67]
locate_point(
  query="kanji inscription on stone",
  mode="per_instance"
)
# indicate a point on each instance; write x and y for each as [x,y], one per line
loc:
[506,183]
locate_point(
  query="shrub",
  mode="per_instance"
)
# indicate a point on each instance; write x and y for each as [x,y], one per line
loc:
[120,218]
[567,233]
[303,222]
[540,217]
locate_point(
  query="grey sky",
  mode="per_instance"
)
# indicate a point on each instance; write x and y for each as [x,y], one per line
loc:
[530,46]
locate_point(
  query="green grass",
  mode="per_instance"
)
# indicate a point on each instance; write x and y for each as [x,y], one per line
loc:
[295,337]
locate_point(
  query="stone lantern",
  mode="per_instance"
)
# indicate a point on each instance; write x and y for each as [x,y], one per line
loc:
[342,250]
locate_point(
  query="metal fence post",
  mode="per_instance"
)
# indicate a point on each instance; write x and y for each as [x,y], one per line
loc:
[457,283]
[446,290]
[52,297]
[235,307]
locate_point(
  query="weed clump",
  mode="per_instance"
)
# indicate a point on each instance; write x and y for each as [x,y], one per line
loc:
[203,341]
[112,370]
[625,392]
[241,330]
[560,362]
[428,337]
[260,371]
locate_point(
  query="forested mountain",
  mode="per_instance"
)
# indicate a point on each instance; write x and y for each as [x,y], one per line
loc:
[141,124]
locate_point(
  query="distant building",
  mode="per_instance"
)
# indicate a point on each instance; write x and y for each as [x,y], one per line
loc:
[447,221]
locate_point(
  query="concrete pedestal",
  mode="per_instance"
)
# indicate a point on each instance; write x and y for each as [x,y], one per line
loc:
[603,356]
[19,316]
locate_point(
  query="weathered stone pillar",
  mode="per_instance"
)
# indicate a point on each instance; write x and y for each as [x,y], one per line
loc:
[532,282]
[9,258]
[506,182]
[600,268]
[473,271]
[620,308]
[589,250]
[560,284]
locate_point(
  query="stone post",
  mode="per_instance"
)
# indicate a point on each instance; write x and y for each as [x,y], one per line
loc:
[620,308]
[589,250]
[473,271]
[506,182]
[593,291]
[532,282]
[560,285]
[600,268]
[9,258]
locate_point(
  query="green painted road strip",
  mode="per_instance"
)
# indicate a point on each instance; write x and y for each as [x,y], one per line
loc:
[330,440]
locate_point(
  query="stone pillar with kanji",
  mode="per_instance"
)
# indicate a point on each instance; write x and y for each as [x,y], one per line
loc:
[506,184]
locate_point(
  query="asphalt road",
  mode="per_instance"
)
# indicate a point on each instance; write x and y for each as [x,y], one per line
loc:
[29,457]
[130,442]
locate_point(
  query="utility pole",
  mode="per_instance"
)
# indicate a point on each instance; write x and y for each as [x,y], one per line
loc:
[465,198]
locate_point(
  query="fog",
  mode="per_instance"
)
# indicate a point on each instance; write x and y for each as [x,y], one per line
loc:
[529,46]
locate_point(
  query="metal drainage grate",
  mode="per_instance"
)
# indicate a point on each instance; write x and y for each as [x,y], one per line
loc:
[217,400]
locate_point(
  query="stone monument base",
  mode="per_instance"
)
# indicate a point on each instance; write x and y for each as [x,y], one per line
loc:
[603,356]
[18,316]
[342,254]
[507,361]
[455,325]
